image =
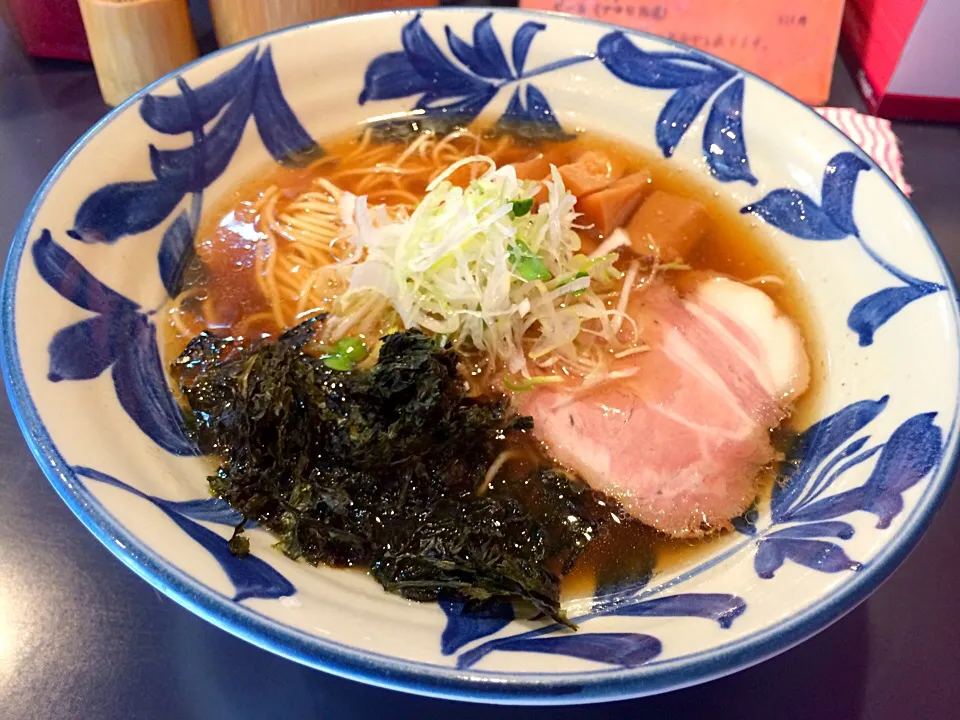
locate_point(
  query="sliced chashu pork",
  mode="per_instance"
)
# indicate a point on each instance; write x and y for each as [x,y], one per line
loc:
[681,442]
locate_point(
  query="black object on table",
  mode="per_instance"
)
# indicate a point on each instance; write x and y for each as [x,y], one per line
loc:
[83,637]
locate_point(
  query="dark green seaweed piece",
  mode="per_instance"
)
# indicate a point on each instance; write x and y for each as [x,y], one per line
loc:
[382,468]
[406,129]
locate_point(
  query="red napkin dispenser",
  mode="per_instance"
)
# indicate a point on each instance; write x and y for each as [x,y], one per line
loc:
[47,28]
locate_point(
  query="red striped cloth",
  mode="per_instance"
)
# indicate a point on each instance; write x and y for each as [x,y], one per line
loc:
[875,136]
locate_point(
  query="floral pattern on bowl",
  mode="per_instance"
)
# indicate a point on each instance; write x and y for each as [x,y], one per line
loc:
[108,235]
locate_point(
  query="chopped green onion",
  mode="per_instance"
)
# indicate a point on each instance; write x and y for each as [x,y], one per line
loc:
[532,268]
[581,274]
[522,207]
[353,348]
[345,354]
[464,266]
[338,362]
[528,265]
[516,387]
[530,383]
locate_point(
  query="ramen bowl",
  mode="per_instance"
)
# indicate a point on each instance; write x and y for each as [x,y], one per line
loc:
[103,241]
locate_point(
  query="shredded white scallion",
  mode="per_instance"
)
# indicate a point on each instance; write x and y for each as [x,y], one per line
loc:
[628,281]
[481,265]
[617,239]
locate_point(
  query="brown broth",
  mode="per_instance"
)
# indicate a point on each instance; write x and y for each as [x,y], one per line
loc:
[733,246]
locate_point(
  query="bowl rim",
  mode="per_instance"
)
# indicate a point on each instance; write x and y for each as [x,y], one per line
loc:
[415,676]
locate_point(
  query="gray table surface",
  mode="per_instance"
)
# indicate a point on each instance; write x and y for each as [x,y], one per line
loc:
[82,637]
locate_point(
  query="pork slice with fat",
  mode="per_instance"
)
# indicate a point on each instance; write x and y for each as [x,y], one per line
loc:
[682,441]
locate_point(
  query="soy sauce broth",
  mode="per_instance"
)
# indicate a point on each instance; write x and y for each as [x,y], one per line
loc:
[735,245]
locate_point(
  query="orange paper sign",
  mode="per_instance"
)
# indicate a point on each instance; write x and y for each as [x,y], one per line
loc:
[791,43]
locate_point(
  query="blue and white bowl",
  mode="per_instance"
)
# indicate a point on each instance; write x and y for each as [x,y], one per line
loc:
[105,236]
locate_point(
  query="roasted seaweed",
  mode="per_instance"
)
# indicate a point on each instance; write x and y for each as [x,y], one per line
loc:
[383,468]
